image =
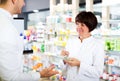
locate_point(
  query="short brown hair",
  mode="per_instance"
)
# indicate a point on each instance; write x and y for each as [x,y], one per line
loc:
[88,18]
[3,1]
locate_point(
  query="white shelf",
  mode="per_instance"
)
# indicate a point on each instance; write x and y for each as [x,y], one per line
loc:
[113,53]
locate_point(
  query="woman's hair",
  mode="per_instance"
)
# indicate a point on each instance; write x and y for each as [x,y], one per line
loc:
[87,18]
[3,1]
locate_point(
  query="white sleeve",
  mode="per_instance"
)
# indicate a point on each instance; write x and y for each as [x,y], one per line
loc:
[96,69]
[32,76]
[11,66]
[11,62]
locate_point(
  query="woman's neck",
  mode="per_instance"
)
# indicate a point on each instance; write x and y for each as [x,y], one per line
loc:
[82,37]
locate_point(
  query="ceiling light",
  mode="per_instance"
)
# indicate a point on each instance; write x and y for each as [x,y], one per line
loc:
[35,11]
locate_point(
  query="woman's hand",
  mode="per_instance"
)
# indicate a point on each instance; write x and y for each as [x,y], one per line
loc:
[73,62]
[64,53]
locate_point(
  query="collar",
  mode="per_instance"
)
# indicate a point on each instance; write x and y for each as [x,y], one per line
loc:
[87,39]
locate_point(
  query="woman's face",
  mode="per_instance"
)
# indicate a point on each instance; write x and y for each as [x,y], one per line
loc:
[82,29]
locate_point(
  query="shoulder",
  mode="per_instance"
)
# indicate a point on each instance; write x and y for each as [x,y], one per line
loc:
[5,22]
[97,39]
[99,42]
[6,28]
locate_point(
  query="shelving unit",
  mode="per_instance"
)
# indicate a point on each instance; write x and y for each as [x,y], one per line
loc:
[60,26]
[111,38]
[61,23]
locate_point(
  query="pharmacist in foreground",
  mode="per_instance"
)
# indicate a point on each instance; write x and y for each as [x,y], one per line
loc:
[11,47]
[85,53]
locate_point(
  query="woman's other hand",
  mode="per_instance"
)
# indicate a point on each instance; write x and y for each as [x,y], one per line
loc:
[64,53]
[73,62]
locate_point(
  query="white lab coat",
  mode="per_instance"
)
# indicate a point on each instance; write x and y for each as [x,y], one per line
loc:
[11,48]
[90,53]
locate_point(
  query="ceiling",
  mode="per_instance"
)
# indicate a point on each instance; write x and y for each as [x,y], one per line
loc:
[114,6]
[44,4]
[82,2]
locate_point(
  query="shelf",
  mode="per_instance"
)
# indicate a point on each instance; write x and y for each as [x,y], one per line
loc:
[110,35]
[55,56]
[60,43]
[112,20]
[112,66]
[117,53]
[28,52]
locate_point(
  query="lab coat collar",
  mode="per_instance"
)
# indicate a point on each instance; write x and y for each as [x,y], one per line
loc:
[87,39]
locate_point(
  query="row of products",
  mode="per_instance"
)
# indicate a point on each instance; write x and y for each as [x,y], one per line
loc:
[39,61]
[112,60]
[33,34]
[46,39]
[110,77]
[59,19]
[112,44]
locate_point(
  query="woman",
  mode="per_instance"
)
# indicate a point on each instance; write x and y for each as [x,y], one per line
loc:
[85,53]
